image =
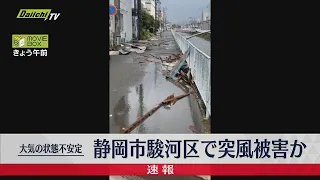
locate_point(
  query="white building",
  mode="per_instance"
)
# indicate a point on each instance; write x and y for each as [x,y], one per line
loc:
[125,21]
[205,16]
[149,6]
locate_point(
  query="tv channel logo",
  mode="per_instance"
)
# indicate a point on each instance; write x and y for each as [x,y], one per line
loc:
[30,41]
[45,14]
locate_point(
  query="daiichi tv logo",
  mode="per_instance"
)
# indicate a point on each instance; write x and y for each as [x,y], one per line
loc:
[45,14]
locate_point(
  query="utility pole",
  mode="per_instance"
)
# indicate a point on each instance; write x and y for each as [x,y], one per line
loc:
[202,17]
[139,19]
[134,14]
[165,19]
[162,23]
[117,25]
[160,19]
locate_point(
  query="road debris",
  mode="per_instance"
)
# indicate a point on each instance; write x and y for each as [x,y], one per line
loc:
[142,41]
[146,43]
[179,85]
[163,43]
[168,66]
[124,52]
[182,76]
[136,48]
[141,57]
[170,100]
[179,64]
[127,48]
[114,53]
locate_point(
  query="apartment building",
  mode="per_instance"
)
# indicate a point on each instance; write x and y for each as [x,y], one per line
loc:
[206,16]
[150,7]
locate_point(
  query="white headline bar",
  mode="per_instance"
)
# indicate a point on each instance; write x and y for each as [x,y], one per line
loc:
[160,149]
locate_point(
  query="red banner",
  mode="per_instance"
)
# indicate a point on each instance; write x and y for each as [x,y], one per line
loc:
[160,169]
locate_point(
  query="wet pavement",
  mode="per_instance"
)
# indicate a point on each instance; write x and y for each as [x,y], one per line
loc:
[202,44]
[135,88]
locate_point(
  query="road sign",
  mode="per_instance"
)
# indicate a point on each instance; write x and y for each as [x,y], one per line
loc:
[112,10]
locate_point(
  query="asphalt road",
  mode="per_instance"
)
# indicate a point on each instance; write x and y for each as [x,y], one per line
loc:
[135,88]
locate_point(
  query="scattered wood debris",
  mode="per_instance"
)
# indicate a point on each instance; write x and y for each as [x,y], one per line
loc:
[170,100]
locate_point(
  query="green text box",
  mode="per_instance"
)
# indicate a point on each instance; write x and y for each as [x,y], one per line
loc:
[30,41]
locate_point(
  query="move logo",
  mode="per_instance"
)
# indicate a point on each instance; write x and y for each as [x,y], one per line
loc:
[38,14]
[30,41]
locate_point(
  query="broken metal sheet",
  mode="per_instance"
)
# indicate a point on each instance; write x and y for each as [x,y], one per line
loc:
[126,48]
[180,63]
[139,51]
[148,46]
[133,46]
[140,47]
[123,52]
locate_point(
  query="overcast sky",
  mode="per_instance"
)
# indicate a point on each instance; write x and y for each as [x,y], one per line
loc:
[179,11]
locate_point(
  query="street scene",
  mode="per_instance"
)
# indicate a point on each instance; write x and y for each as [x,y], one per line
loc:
[160,68]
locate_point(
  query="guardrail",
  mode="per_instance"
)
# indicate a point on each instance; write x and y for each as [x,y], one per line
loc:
[200,66]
